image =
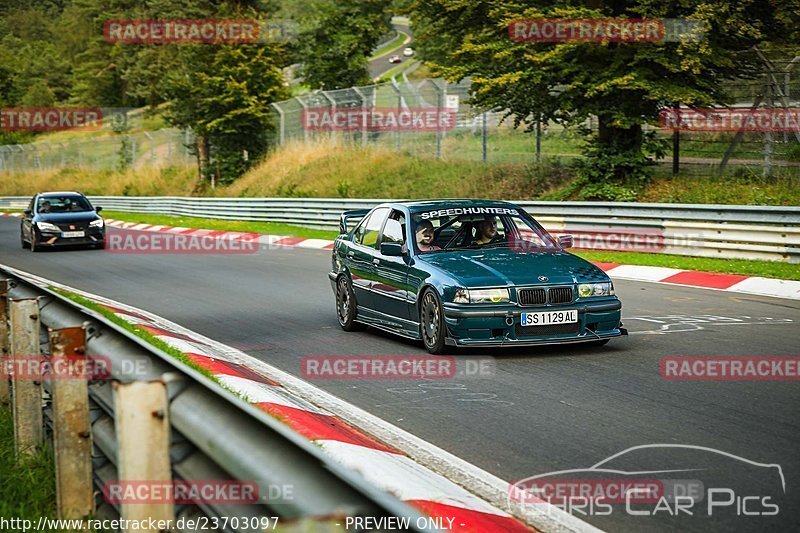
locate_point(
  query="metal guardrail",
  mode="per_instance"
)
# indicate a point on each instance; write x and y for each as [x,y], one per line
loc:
[212,434]
[705,230]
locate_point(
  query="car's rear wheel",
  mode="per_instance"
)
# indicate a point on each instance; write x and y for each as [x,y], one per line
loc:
[431,322]
[346,304]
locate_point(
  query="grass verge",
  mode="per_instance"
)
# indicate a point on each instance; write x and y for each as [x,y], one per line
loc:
[27,483]
[268,228]
[136,330]
[767,269]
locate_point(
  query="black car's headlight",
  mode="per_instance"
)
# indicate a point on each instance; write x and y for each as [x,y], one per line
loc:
[46,226]
[606,288]
[481,296]
[96,223]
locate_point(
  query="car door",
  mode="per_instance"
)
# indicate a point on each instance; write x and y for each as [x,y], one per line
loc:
[390,288]
[26,223]
[361,254]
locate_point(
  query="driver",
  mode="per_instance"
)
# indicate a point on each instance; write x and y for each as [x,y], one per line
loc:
[424,234]
[45,207]
[487,231]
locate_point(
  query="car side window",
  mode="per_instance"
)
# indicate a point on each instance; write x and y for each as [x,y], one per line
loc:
[394,230]
[373,227]
[358,234]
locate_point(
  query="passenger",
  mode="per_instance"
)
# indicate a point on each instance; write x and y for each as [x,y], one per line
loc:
[424,234]
[487,231]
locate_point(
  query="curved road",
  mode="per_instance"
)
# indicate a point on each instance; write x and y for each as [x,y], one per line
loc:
[543,410]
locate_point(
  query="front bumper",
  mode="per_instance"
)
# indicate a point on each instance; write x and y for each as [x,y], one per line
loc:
[468,325]
[92,237]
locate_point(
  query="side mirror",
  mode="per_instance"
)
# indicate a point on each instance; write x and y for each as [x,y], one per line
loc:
[98,209]
[565,241]
[391,249]
[28,212]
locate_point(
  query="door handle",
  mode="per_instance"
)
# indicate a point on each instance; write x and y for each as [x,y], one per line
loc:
[376,261]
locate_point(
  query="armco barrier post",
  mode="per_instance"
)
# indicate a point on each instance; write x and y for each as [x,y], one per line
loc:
[142,426]
[72,440]
[26,393]
[5,391]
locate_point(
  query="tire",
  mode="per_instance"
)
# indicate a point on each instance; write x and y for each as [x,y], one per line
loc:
[22,241]
[33,246]
[431,322]
[101,246]
[346,304]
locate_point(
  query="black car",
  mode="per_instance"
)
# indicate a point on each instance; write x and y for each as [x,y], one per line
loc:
[61,219]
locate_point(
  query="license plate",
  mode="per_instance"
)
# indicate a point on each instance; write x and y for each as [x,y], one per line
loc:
[72,234]
[546,318]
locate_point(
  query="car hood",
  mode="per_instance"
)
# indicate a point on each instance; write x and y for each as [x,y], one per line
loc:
[60,218]
[497,267]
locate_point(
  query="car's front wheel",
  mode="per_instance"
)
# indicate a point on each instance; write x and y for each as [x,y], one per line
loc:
[22,240]
[346,304]
[431,322]
[33,246]
[599,343]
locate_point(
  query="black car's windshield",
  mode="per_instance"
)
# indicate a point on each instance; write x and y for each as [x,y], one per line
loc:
[63,204]
[461,228]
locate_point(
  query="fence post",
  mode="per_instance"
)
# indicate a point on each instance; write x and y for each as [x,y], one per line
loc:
[282,130]
[364,106]
[72,442]
[305,129]
[5,390]
[142,426]
[769,146]
[483,136]
[538,138]
[27,390]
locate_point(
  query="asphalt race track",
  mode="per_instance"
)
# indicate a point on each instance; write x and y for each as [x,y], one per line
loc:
[542,410]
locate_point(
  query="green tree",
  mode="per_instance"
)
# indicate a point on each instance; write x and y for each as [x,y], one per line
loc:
[223,93]
[336,47]
[624,85]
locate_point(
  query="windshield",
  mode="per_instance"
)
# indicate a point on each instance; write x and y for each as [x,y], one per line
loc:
[63,204]
[475,228]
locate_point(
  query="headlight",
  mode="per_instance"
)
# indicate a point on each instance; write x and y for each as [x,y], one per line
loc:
[46,226]
[585,290]
[481,296]
[96,223]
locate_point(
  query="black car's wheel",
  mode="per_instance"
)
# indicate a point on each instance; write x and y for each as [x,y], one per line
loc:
[101,245]
[33,246]
[22,241]
[346,304]
[599,343]
[431,322]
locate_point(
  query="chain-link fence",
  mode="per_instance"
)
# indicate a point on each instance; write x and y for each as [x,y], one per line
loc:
[482,135]
[165,147]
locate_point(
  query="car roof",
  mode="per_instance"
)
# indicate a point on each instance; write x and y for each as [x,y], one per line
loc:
[59,193]
[416,206]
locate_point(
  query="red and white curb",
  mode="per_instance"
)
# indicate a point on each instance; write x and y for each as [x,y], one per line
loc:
[353,437]
[691,278]
[674,276]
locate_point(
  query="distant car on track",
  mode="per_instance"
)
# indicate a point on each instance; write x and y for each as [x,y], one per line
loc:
[395,59]
[61,219]
[468,273]
[408,51]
